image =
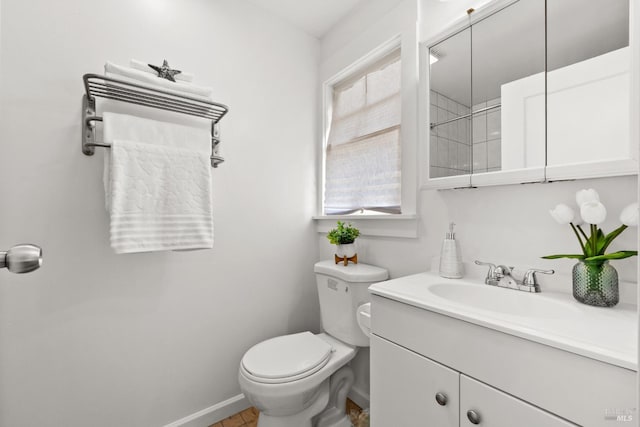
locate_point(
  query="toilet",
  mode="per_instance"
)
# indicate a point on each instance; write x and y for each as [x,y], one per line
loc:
[302,379]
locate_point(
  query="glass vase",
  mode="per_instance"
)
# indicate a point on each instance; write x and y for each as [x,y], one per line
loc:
[595,283]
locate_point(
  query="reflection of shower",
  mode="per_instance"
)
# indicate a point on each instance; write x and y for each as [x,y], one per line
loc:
[21,258]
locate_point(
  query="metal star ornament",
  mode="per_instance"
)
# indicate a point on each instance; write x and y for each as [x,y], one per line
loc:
[165,72]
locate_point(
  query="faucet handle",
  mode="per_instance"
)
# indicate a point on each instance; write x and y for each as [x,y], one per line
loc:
[529,278]
[491,274]
[503,270]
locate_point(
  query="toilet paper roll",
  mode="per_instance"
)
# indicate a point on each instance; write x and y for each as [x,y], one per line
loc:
[364,318]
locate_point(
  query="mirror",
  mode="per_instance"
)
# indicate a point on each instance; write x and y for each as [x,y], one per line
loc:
[531,91]
[450,106]
[508,62]
[588,83]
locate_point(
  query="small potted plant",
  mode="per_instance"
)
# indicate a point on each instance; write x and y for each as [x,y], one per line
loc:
[344,236]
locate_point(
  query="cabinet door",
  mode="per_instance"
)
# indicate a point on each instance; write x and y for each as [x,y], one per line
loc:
[497,409]
[404,387]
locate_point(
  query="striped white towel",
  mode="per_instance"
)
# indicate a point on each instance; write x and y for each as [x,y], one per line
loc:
[160,198]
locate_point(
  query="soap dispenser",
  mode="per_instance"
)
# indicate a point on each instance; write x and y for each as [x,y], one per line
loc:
[450,258]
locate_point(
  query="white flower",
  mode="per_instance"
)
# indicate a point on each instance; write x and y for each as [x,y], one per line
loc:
[629,215]
[562,213]
[585,196]
[593,212]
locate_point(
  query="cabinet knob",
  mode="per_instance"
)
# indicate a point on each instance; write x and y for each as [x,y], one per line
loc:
[473,417]
[442,399]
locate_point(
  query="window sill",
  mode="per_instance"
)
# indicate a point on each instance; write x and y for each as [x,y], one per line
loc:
[404,226]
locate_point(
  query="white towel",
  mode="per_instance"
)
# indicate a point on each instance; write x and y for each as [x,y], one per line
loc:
[158,194]
[132,128]
[184,76]
[161,198]
[140,77]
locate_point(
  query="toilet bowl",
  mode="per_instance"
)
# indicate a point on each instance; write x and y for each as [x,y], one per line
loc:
[301,380]
[281,392]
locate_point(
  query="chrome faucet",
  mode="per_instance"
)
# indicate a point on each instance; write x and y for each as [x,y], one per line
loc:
[501,276]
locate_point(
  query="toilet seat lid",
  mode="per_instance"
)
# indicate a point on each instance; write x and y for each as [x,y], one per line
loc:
[287,357]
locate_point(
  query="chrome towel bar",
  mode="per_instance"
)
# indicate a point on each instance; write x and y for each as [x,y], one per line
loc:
[97,86]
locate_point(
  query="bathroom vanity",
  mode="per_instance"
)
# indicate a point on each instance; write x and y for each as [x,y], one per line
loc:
[462,353]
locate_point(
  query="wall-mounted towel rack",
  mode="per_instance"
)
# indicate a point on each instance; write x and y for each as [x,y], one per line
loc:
[97,86]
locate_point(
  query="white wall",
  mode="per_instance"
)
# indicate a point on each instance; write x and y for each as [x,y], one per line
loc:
[506,224]
[96,339]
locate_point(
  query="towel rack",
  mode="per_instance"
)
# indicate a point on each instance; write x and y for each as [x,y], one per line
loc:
[97,86]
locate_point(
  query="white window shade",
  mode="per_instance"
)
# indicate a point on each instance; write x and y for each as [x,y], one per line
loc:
[363,167]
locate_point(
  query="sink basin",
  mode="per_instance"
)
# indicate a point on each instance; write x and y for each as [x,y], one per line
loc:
[501,301]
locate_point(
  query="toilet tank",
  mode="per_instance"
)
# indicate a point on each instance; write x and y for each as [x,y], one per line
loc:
[341,290]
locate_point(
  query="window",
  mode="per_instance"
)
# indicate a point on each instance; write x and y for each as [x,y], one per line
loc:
[363,150]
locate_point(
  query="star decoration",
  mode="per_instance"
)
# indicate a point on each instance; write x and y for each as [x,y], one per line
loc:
[165,72]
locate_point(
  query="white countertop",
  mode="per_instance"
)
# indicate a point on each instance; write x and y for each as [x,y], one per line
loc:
[605,334]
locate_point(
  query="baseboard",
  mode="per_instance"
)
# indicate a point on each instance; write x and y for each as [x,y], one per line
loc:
[215,413]
[359,397]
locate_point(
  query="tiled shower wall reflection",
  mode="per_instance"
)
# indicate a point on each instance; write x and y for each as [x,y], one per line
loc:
[456,145]
[450,148]
[487,137]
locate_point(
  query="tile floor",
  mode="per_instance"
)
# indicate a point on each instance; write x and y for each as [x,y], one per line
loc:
[249,417]
[246,418]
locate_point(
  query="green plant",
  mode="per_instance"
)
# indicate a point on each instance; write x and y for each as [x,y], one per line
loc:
[343,235]
[594,213]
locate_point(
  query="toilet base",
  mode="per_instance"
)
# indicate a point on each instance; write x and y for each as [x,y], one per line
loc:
[328,409]
[342,422]
[301,419]
[334,415]
[333,418]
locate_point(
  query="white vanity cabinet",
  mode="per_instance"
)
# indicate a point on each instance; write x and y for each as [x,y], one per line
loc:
[410,390]
[497,409]
[508,380]
[406,397]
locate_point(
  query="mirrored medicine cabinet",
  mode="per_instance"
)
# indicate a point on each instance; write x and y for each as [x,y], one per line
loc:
[528,91]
